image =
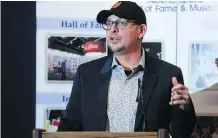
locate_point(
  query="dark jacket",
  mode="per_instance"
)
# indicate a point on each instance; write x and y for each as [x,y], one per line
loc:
[87,108]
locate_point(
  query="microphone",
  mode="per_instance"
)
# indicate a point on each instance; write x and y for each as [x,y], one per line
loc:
[140,98]
[144,122]
[139,95]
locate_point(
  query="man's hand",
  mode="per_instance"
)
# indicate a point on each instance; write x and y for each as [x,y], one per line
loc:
[180,94]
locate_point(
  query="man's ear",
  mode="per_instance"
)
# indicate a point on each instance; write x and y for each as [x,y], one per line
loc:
[142,30]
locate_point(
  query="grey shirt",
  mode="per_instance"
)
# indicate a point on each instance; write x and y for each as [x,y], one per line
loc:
[122,95]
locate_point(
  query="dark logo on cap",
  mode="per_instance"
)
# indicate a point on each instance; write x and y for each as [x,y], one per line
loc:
[116,5]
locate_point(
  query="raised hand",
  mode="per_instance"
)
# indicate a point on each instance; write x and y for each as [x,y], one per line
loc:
[180,94]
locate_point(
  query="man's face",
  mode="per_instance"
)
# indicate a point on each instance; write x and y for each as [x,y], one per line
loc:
[123,35]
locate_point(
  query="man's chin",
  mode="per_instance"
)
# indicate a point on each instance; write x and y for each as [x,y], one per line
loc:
[118,50]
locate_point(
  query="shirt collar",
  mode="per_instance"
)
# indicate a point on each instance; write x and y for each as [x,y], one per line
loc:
[141,62]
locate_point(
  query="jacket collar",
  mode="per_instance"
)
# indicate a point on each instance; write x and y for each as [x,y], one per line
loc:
[111,62]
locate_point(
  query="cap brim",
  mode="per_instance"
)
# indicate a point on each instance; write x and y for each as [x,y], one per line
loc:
[103,15]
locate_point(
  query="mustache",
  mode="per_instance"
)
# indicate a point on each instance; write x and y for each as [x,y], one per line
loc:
[114,36]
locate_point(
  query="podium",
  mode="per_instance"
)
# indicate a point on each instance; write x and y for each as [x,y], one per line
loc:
[40,133]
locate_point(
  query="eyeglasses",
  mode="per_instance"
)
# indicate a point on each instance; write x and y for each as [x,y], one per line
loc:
[121,24]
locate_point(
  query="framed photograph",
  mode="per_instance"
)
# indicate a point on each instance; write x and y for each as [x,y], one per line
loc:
[66,53]
[154,49]
[203,65]
[52,118]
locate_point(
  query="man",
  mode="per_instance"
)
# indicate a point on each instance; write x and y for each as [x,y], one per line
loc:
[216,62]
[128,91]
[216,66]
[63,67]
[54,65]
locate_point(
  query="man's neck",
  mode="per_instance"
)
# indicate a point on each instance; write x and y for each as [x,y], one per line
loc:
[130,60]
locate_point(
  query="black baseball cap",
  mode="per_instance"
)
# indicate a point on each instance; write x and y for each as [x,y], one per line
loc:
[124,9]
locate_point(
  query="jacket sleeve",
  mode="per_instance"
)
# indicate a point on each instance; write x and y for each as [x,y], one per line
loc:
[183,121]
[72,120]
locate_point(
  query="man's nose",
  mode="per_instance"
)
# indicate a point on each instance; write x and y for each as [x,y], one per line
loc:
[114,28]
